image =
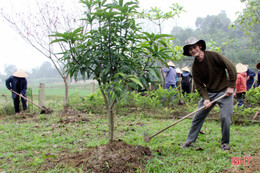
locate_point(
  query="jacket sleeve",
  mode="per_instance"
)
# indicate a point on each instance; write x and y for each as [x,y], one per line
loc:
[165,70]
[251,73]
[8,83]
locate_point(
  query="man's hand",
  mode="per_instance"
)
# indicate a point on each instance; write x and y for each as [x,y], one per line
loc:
[207,104]
[229,91]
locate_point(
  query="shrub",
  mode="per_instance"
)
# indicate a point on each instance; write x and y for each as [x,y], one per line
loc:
[253,95]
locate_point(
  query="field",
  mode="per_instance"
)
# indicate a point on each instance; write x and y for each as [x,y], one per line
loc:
[75,139]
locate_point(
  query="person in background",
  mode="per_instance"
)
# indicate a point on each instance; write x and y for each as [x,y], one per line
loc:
[186,80]
[18,83]
[258,75]
[250,78]
[241,82]
[170,79]
[214,76]
[178,77]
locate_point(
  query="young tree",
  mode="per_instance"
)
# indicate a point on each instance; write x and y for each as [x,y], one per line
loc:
[37,21]
[158,17]
[114,51]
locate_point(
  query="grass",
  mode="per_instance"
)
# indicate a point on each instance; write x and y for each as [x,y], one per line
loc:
[25,144]
[54,94]
[56,89]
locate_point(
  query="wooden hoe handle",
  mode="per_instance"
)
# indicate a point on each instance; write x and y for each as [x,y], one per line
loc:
[186,116]
[27,99]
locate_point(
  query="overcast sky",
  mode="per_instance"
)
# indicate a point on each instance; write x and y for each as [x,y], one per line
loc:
[15,50]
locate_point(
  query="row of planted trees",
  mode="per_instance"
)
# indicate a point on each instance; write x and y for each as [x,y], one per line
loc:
[114,50]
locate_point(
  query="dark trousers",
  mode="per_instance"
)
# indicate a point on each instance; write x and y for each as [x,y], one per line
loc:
[240,98]
[17,102]
[167,86]
[185,88]
[226,107]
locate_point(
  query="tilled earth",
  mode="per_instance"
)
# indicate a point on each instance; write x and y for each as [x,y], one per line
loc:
[113,157]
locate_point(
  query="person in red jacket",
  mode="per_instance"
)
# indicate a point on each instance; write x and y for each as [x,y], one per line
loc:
[241,86]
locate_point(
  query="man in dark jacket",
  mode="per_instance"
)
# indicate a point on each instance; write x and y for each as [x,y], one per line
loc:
[209,71]
[18,83]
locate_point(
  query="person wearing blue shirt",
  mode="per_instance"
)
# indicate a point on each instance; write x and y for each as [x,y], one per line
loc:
[18,83]
[170,79]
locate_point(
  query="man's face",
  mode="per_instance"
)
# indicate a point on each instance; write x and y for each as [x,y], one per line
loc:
[194,50]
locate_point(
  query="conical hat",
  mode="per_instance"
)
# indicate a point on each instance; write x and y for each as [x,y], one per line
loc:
[178,70]
[20,73]
[185,69]
[241,68]
[170,63]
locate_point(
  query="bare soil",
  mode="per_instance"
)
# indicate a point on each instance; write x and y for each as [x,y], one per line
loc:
[113,157]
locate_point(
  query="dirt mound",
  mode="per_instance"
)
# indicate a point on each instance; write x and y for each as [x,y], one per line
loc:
[118,156]
[114,157]
[68,111]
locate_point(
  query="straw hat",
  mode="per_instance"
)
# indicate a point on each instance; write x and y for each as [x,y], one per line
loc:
[185,69]
[178,70]
[170,63]
[20,73]
[192,41]
[241,68]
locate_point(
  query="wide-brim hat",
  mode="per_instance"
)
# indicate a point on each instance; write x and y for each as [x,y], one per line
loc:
[170,63]
[185,69]
[20,73]
[178,70]
[192,41]
[258,66]
[241,68]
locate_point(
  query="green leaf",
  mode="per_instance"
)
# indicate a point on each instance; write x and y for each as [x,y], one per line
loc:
[136,81]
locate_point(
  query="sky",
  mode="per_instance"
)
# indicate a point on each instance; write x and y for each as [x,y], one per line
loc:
[14,50]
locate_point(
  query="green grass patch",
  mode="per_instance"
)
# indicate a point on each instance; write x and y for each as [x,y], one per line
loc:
[25,144]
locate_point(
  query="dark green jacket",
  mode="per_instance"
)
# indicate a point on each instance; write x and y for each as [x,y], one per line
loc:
[214,74]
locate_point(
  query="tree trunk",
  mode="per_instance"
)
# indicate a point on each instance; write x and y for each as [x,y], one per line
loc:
[66,96]
[111,124]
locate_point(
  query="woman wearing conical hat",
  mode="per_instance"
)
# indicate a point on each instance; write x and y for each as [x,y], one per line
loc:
[170,79]
[186,80]
[18,83]
[241,86]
